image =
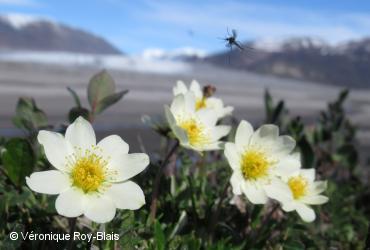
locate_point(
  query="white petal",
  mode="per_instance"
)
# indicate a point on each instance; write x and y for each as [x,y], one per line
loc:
[195,87]
[128,165]
[309,174]
[180,88]
[284,145]
[288,165]
[100,208]
[113,146]
[254,192]
[236,181]
[243,135]
[70,203]
[48,182]
[56,148]
[267,133]
[127,195]
[220,131]
[315,199]
[232,156]
[279,191]
[178,104]
[207,116]
[318,187]
[214,103]
[306,213]
[190,102]
[289,206]
[178,132]
[81,134]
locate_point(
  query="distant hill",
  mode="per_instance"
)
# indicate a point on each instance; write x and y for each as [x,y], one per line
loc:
[304,58]
[21,32]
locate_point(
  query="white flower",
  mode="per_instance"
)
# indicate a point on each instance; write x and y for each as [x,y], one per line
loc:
[297,191]
[257,158]
[195,130]
[90,179]
[202,101]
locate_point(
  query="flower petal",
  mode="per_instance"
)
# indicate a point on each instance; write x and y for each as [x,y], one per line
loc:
[56,148]
[266,134]
[207,116]
[243,135]
[309,174]
[315,199]
[190,101]
[81,134]
[236,181]
[48,182]
[178,132]
[318,187]
[306,213]
[220,131]
[254,192]
[70,203]
[284,145]
[195,88]
[232,156]
[113,146]
[127,195]
[128,165]
[178,104]
[279,191]
[288,165]
[180,88]
[100,208]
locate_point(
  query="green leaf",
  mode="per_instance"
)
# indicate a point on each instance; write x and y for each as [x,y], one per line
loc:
[268,104]
[109,101]
[100,86]
[28,115]
[18,159]
[307,153]
[76,112]
[75,96]
[159,237]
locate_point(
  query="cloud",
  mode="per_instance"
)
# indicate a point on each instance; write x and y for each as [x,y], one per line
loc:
[23,3]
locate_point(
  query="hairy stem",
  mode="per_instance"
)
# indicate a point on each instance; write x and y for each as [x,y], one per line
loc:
[72,227]
[157,181]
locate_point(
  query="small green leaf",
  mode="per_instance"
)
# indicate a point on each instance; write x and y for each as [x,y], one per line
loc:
[75,96]
[109,101]
[18,159]
[159,237]
[100,86]
[307,153]
[28,115]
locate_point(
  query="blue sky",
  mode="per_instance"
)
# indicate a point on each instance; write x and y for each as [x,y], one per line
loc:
[136,25]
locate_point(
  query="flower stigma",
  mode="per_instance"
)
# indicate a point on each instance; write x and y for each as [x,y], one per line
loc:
[254,164]
[298,186]
[88,171]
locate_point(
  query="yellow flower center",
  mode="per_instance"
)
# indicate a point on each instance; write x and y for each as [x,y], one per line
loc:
[298,185]
[89,172]
[195,131]
[201,103]
[254,164]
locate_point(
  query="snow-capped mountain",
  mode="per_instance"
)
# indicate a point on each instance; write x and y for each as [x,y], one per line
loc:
[23,32]
[346,64]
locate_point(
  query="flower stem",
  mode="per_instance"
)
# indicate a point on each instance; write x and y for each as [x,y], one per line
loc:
[367,244]
[157,181]
[216,214]
[72,227]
